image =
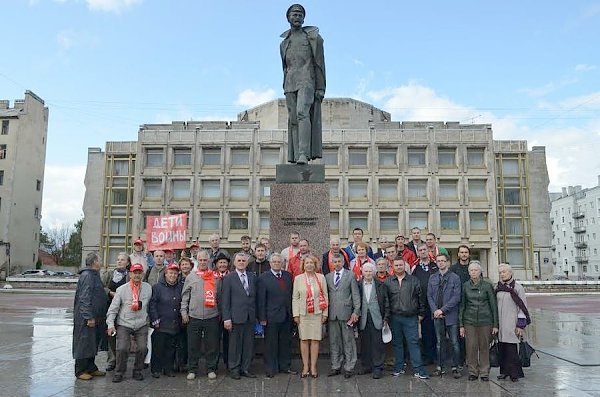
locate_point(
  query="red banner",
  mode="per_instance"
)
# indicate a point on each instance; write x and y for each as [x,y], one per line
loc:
[167,231]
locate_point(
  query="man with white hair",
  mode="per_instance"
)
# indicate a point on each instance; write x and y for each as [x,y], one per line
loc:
[214,241]
[334,248]
[375,311]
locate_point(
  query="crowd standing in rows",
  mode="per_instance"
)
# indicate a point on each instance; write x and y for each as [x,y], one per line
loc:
[213,305]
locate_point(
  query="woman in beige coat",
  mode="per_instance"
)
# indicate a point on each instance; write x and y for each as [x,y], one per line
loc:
[514,317]
[310,309]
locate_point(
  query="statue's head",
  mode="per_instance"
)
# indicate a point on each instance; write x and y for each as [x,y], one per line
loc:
[295,8]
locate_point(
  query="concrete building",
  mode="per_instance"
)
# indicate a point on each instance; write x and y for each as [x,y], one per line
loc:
[22,159]
[575,219]
[448,178]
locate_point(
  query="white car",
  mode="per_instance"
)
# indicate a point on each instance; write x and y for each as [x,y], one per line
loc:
[33,273]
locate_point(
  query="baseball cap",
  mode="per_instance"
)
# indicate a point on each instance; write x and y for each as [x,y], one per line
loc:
[136,266]
[138,242]
[173,266]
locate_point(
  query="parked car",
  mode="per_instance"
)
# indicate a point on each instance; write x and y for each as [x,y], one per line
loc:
[64,273]
[34,273]
[559,277]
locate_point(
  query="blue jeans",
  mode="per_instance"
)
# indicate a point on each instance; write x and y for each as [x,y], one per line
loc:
[452,330]
[406,327]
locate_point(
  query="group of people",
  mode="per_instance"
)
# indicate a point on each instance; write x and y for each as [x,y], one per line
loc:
[210,304]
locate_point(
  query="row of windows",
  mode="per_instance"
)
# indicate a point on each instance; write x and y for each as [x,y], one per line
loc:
[38,183]
[358,189]
[357,157]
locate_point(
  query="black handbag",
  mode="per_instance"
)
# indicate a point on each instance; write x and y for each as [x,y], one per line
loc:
[494,353]
[525,353]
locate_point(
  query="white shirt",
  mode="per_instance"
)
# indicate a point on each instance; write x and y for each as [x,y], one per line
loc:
[368,287]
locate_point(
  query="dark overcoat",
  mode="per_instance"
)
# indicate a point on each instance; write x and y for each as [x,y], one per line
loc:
[90,302]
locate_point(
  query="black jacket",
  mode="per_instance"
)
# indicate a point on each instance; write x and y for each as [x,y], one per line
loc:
[408,299]
[165,305]
[382,297]
[411,245]
[259,268]
[274,303]
[236,305]
[462,271]
[423,275]
[325,263]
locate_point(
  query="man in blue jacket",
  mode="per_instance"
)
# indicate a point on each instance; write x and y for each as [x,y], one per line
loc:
[443,295]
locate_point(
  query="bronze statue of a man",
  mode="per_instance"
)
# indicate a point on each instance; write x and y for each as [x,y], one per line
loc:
[304,86]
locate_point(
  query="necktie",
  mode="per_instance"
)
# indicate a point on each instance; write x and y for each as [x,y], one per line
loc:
[245,283]
[278,275]
[336,282]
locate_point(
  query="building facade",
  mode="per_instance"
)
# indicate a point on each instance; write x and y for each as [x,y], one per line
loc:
[448,178]
[575,219]
[24,129]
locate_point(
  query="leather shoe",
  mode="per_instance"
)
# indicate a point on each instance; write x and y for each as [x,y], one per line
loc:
[110,368]
[348,374]
[98,373]
[84,376]
[156,374]
[117,378]
[377,374]
[247,374]
[235,375]
[138,376]
[472,377]
[269,374]
[334,372]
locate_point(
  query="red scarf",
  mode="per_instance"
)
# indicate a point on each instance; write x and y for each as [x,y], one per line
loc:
[210,289]
[330,257]
[135,295]
[310,302]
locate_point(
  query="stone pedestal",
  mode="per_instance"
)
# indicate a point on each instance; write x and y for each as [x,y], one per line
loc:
[300,202]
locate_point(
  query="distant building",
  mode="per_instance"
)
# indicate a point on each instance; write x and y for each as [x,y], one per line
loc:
[449,178]
[575,218]
[23,133]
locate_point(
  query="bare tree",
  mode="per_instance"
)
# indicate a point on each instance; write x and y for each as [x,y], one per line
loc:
[58,243]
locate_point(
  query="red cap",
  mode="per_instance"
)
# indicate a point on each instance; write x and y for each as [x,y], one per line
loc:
[136,266]
[194,245]
[168,250]
[173,266]
[138,242]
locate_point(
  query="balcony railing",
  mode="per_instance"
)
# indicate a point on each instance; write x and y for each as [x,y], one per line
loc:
[578,214]
[580,244]
[579,229]
[581,259]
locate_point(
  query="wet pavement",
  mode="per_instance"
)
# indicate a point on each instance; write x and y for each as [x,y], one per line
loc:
[35,360]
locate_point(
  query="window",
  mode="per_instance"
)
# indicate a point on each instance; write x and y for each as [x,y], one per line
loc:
[418,219]
[514,226]
[211,157]
[449,221]
[269,156]
[388,189]
[357,189]
[265,187]
[121,168]
[1,177]
[515,257]
[357,157]
[334,189]
[264,221]
[475,157]
[388,222]
[145,215]
[447,157]
[448,189]
[238,220]
[358,219]
[330,157]
[510,167]
[477,189]
[180,189]
[512,196]
[152,189]
[118,226]
[154,157]
[119,197]
[387,158]
[478,221]
[417,188]
[211,189]
[240,157]
[3,152]
[182,157]
[334,222]
[416,157]
[4,127]
[36,212]
[238,189]
[209,221]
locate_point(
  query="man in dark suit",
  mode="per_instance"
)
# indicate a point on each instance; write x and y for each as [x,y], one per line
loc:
[344,310]
[375,312]
[275,314]
[239,316]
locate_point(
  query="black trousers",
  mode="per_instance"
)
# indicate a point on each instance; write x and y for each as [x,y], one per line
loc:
[87,365]
[207,330]
[225,350]
[163,351]
[372,348]
[241,346]
[181,350]
[278,344]
[510,363]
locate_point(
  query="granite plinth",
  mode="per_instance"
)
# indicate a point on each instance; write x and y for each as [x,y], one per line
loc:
[302,208]
[300,173]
